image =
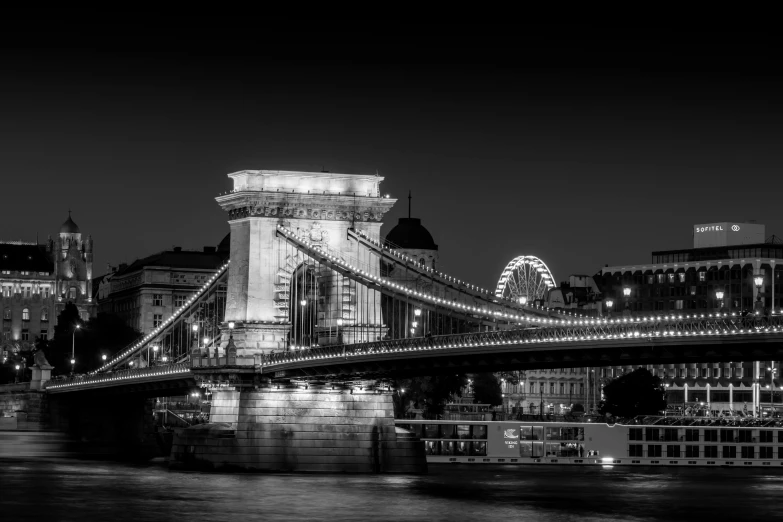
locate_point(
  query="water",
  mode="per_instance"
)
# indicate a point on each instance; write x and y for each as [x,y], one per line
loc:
[65,490]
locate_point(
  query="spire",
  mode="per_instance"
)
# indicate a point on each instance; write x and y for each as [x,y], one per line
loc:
[409,204]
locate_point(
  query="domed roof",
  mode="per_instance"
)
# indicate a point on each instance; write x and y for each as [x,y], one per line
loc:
[69,227]
[409,233]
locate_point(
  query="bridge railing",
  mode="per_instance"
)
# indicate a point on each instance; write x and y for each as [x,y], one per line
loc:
[583,330]
[117,376]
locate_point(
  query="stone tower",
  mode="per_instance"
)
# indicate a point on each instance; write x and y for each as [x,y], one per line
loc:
[73,266]
[320,205]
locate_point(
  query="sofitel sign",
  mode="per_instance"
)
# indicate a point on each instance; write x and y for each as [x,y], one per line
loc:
[726,234]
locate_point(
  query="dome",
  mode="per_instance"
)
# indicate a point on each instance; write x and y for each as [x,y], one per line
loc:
[410,234]
[69,227]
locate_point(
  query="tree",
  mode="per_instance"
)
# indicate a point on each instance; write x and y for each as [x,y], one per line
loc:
[486,389]
[427,393]
[632,394]
[104,334]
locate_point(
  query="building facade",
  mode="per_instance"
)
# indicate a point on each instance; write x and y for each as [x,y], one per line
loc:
[37,282]
[718,275]
[149,290]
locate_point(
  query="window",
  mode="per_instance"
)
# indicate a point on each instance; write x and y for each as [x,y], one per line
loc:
[562,388]
[702,276]
[692,452]
[727,435]
[670,434]
[44,335]
[27,291]
[44,315]
[745,436]
[7,291]
[46,292]
[748,452]
[157,299]
[72,293]
[26,314]
[421,261]
[710,452]
[635,434]
[649,279]
[765,436]
[25,335]
[692,435]
[7,314]
[765,452]
[551,388]
[541,387]
[671,278]
[179,301]
[729,452]
[672,451]
[678,304]
[651,434]
[653,450]
[157,319]
[682,277]
[661,278]
[533,389]
[635,450]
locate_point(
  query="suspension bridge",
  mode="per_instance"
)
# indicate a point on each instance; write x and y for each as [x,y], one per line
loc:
[314,305]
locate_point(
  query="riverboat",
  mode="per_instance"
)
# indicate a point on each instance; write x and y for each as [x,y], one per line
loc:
[641,441]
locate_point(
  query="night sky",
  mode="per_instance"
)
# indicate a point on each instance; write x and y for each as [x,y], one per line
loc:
[581,145]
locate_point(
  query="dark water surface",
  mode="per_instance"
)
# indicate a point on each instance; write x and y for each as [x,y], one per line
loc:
[54,490]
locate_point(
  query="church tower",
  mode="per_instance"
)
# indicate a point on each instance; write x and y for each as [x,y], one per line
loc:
[73,268]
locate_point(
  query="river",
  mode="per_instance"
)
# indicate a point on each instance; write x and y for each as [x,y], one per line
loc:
[77,490]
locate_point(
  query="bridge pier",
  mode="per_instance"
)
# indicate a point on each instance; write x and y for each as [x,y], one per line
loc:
[306,428]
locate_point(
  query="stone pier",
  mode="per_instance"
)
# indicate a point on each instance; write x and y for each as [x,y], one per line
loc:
[293,428]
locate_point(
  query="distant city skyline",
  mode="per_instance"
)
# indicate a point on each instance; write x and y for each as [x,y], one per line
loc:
[582,147]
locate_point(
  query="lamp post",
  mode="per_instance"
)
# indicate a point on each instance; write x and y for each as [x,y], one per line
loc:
[339,324]
[719,295]
[17,373]
[73,347]
[772,372]
[196,347]
[759,282]
[626,294]
[609,305]
[523,300]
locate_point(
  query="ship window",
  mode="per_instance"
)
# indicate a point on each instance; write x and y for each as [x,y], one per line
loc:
[710,452]
[729,452]
[672,451]
[765,436]
[653,450]
[480,431]
[692,435]
[748,452]
[692,451]
[635,450]
[710,435]
[765,452]
[463,431]
[635,434]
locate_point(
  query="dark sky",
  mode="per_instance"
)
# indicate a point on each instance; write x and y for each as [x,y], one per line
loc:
[583,145]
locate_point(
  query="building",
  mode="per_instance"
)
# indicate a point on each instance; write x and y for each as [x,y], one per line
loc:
[37,282]
[149,290]
[717,275]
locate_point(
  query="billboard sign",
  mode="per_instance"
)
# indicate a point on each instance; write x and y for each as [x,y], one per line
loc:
[727,234]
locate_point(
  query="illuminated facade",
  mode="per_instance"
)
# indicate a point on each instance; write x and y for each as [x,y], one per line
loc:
[149,290]
[37,282]
[718,275]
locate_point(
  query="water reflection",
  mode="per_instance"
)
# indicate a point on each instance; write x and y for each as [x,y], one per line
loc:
[81,490]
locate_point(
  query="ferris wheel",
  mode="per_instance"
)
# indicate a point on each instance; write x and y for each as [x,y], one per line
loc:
[525,279]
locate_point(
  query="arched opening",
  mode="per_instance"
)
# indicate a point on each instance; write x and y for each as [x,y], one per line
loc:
[303,308]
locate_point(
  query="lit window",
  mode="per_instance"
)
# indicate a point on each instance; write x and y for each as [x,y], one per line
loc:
[72,293]
[682,277]
[179,301]
[421,261]
[26,314]
[44,315]
[46,292]
[702,276]
[671,278]
[157,299]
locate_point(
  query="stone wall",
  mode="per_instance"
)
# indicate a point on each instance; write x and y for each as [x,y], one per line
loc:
[311,430]
[29,407]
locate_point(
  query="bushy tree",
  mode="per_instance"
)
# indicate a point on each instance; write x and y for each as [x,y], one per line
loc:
[427,393]
[486,389]
[632,394]
[104,334]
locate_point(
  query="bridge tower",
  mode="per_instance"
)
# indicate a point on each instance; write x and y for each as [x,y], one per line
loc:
[263,273]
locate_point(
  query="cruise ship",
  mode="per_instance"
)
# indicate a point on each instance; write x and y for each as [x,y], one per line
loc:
[642,441]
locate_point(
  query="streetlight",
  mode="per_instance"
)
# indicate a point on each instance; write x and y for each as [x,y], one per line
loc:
[759,281]
[627,294]
[73,347]
[417,312]
[609,305]
[303,302]
[719,294]
[771,386]
[523,300]
[103,357]
[17,373]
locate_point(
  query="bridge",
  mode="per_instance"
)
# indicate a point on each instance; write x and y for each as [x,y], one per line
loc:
[314,313]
